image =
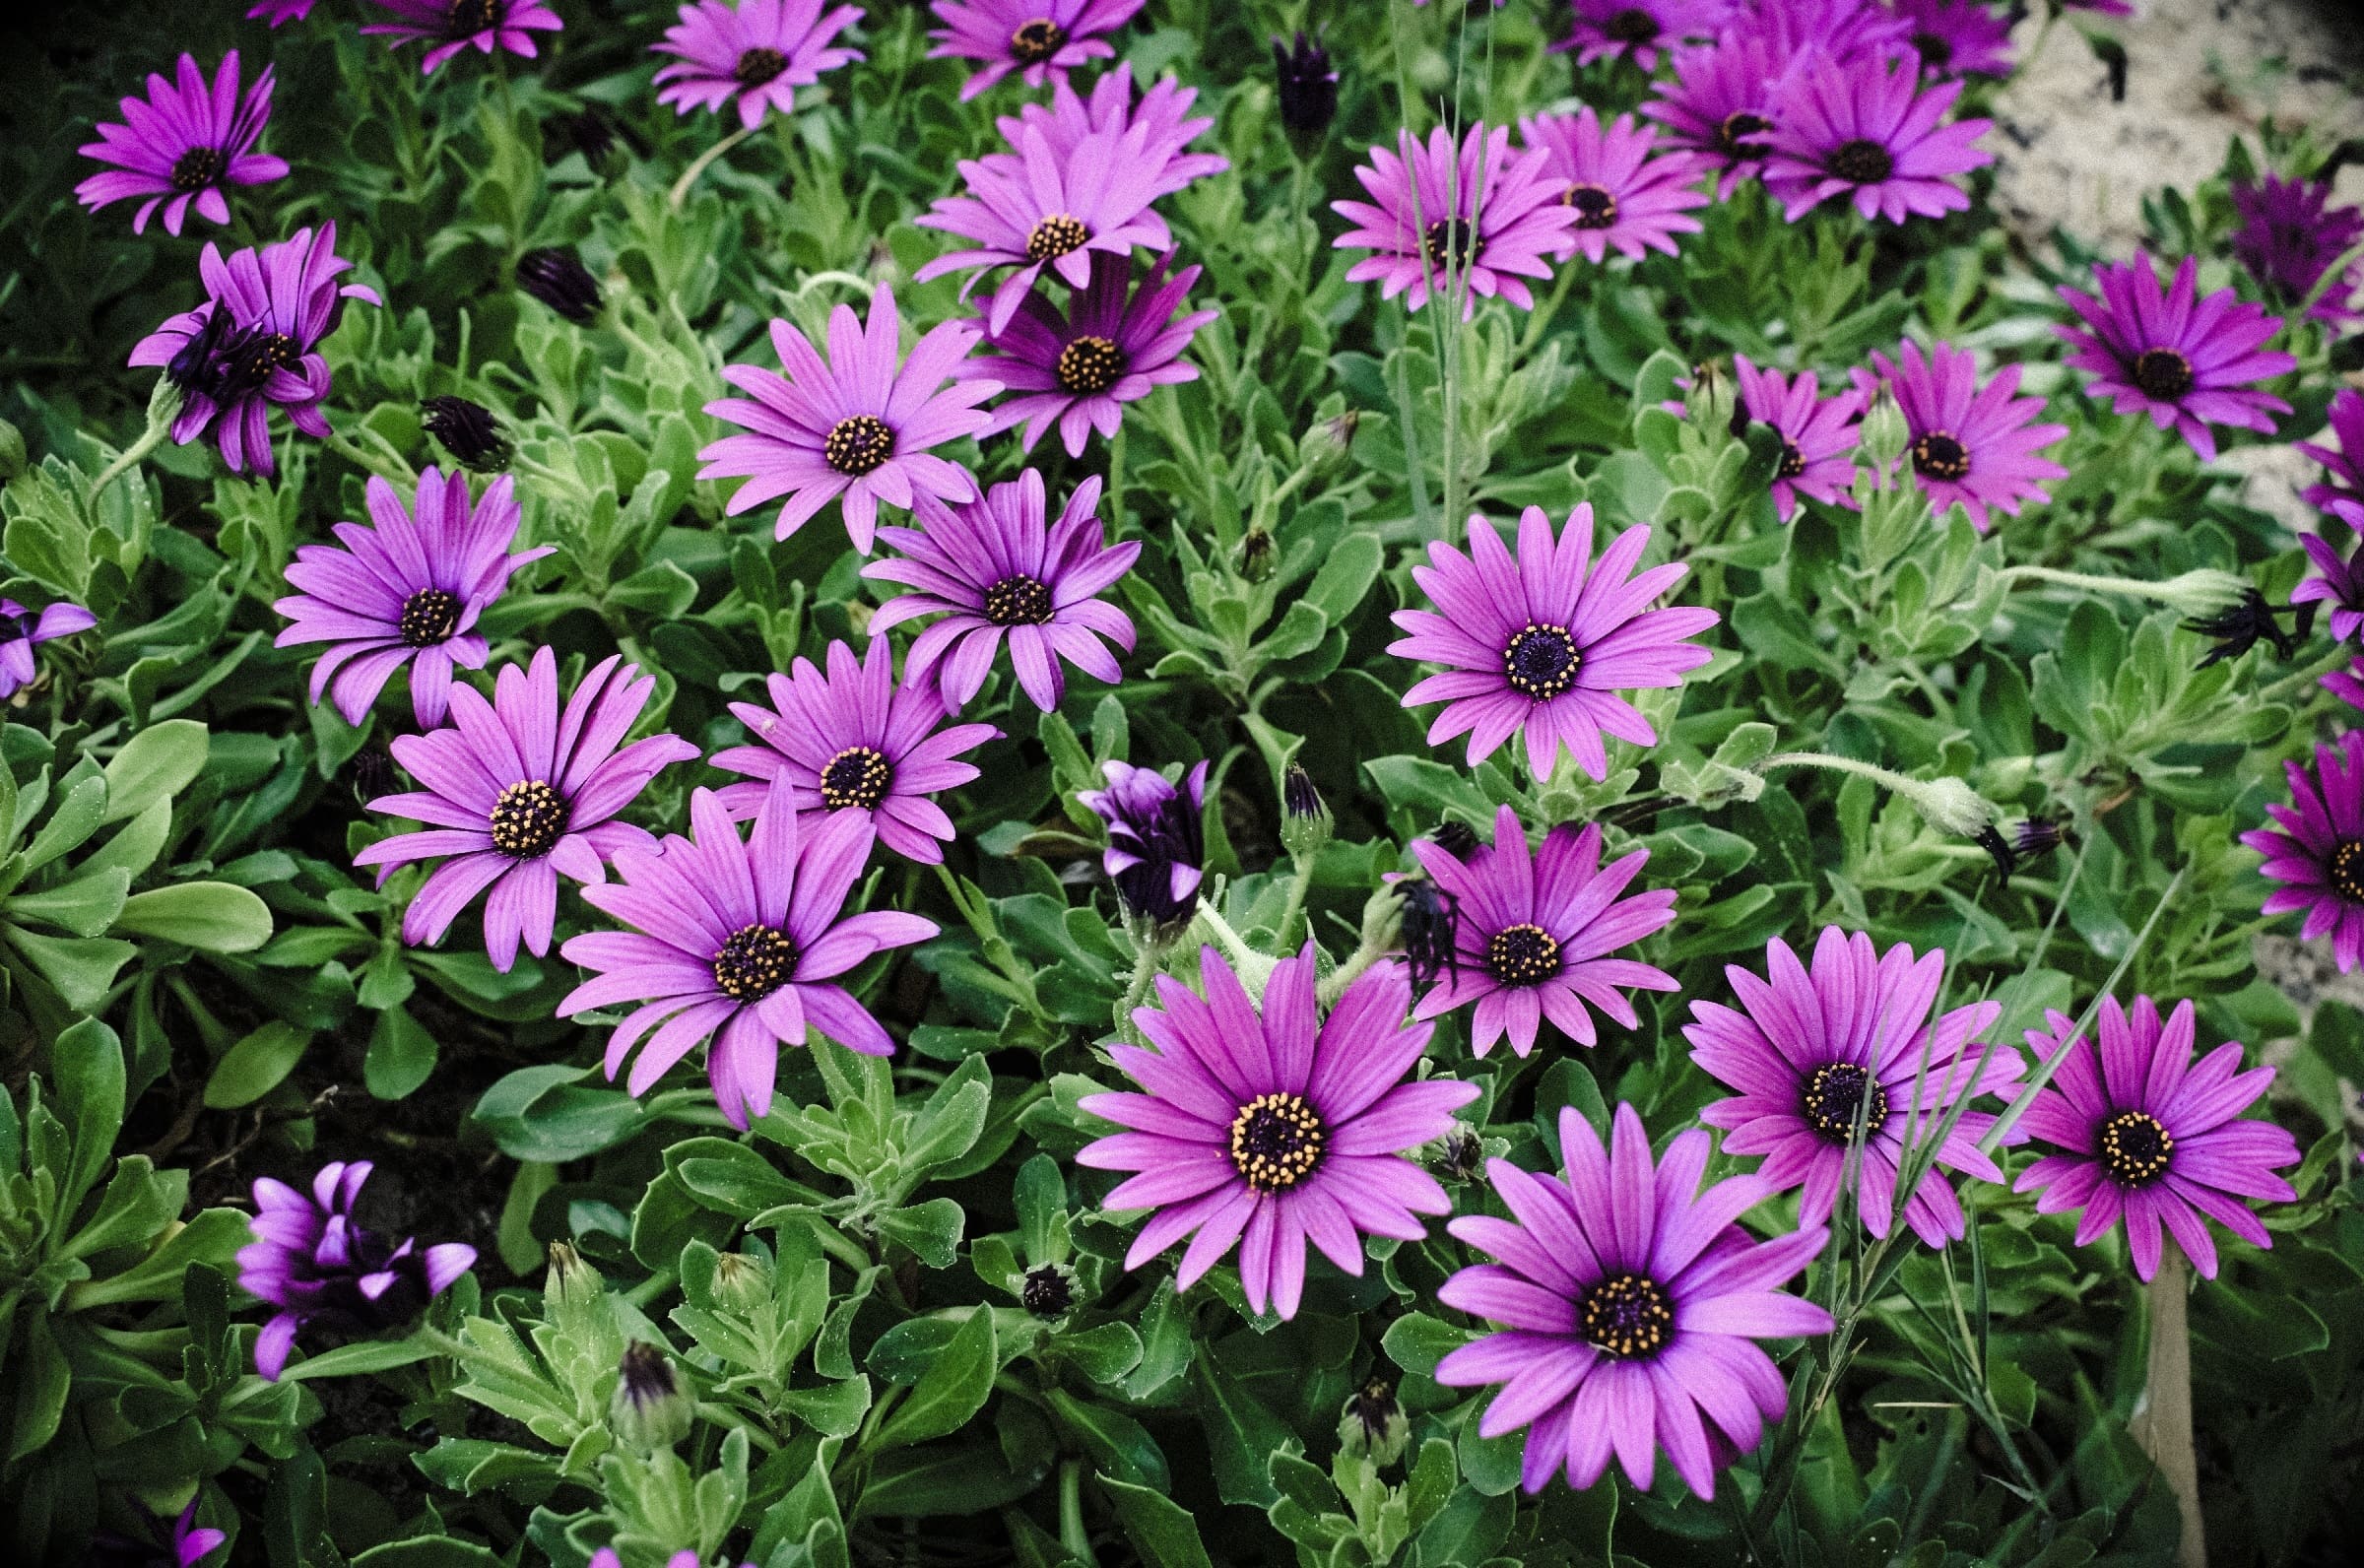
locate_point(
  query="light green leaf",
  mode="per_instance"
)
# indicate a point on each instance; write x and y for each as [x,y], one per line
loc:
[255,1066]
[211,916]
[155,765]
[951,1392]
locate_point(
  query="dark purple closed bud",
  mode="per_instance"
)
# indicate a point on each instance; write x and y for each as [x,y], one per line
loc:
[1453,838]
[558,281]
[1047,1291]
[468,431]
[1431,925]
[1308,87]
[371,773]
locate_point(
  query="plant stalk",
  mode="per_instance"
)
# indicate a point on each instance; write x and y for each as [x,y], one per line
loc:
[2165,1430]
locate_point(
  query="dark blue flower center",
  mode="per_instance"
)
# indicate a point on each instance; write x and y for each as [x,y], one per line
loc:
[753,962]
[1594,207]
[1540,661]
[1734,136]
[1037,41]
[468,18]
[1019,601]
[2136,1148]
[1936,50]
[1451,244]
[758,66]
[2345,868]
[857,444]
[1835,1093]
[1940,455]
[1859,163]
[1089,365]
[1522,955]
[1632,26]
[2163,373]
[199,167]
[856,777]
[1627,1316]
[1276,1142]
[529,818]
[428,617]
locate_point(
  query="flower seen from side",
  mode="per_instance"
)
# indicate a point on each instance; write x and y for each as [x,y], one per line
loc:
[2343,464]
[1969,443]
[753,55]
[184,144]
[1817,434]
[276,12]
[1483,220]
[1870,133]
[22,631]
[1624,192]
[2337,583]
[2315,849]
[2167,352]
[2290,236]
[1307,86]
[1155,843]
[446,26]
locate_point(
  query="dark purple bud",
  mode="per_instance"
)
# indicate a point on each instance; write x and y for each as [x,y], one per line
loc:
[1454,838]
[468,431]
[558,281]
[1431,925]
[371,773]
[1308,87]
[1047,1291]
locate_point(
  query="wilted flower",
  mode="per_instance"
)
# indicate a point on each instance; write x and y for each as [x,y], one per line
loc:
[1308,86]
[185,143]
[1480,220]
[1817,434]
[756,51]
[2291,235]
[1868,132]
[559,281]
[2240,627]
[2185,361]
[1971,444]
[1622,193]
[1033,38]
[468,431]
[2315,848]
[650,1409]
[1155,841]
[447,27]
[22,631]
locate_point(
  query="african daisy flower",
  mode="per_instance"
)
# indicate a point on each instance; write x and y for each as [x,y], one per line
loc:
[1846,30]
[855,741]
[1620,194]
[2291,235]
[1116,342]
[856,429]
[1817,434]
[274,13]
[1959,38]
[22,631]
[517,792]
[1542,641]
[2185,361]
[2315,848]
[1972,444]
[2344,465]
[1156,840]
[405,592]
[449,26]
[2338,584]
[1033,38]
[2146,1132]
[1533,934]
[1639,29]
[998,570]
[1867,131]
[1277,1128]
[1482,220]
[1629,1303]
[1815,1055]
[757,52]
[310,1260]
[184,142]
[1719,105]
[1112,110]
[179,1544]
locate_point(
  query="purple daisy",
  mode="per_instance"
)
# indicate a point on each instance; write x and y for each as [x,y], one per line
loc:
[22,631]
[1114,343]
[737,941]
[1812,1054]
[1639,29]
[1112,110]
[408,590]
[857,427]
[1846,30]
[1971,444]
[1533,934]
[1277,1128]
[2344,465]
[1720,104]
[184,144]
[1630,1302]
[255,343]
[310,1260]
[2315,848]
[1867,131]
[449,26]
[2291,235]
[2148,1134]
[1034,38]
[1620,194]
[1542,641]
[1424,230]
[276,12]
[191,1544]
[856,742]
[998,569]
[1957,38]
[1156,842]
[517,792]
[1817,434]
[2338,584]
[2184,361]
[758,51]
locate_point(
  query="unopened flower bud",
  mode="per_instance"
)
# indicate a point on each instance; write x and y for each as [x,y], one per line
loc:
[650,1409]
[1461,1155]
[1326,443]
[740,1283]
[557,279]
[1373,1423]
[570,1282]
[1257,557]
[371,774]
[1048,1289]
[1950,805]
[1308,89]
[1883,432]
[468,431]
[1305,821]
[1456,838]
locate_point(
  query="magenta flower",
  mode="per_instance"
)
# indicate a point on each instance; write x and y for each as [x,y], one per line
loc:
[1114,343]
[1033,38]
[1277,1128]
[277,12]
[1812,1054]
[185,143]
[1867,131]
[2336,584]
[1490,215]
[1850,32]
[2107,8]
[1620,194]
[517,792]
[758,51]
[447,27]
[998,570]
[22,631]
[1544,641]
[1817,434]
[855,741]
[1156,845]
[255,343]
[1638,29]
[2185,361]
[1720,104]
[2344,465]
[2316,846]
[407,592]
[190,1545]
[2147,1133]
[1533,936]
[1629,1303]
[2291,235]
[858,426]
[1971,444]
[1959,38]
[1112,111]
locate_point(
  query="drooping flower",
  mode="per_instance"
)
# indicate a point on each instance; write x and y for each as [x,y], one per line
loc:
[516,793]
[2336,584]
[1533,934]
[998,569]
[559,280]
[740,942]
[1629,1303]
[1275,1129]
[447,27]
[2316,847]
[858,426]
[255,343]
[1814,1056]
[855,741]
[1868,131]
[1972,444]
[1720,104]
[1114,110]
[2291,235]
[1482,220]
[2342,465]
[468,431]
[184,142]
[1817,434]
[1115,343]
[2185,361]
[1033,38]
[274,13]
[2146,1132]
[1542,641]
[1640,30]
[310,1260]
[1959,38]
[22,631]
[1305,85]
[1156,843]
[1621,193]
[755,51]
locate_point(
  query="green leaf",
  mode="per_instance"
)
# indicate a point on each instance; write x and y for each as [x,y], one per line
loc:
[88,1064]
[951,1392]
[948,1127]
[77,817]
[1162,1529]
[85,907]
[1416,1341]
[427,1551]
[80,968]
[211,916]
[931,1229]
[39,1382]
[402,1054]
[255,1066]
[662,589]
[155,765]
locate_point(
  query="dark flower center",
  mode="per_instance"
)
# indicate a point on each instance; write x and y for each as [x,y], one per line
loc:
[758,66]
[858,444]
[1627,1316]
[858,777]
[1019,601]
[1056,235]
[468,18]
[1036,42]
[1793,461]
[1276,1142]
[1540,661]
[1594,207]
[1940,455]
[428,617]
[1633,25]
[755,962]
[1449,242]
[1935,53]
[1834,1095]
[1045,1291]
[1522,955]
[2347,869]
[2163,373]
[245,366]
[1861,162]
[2136,1148]
[529,819]
[1732,137]
[199,167]
[1089,365]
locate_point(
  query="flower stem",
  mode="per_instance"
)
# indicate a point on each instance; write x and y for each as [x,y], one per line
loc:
[2166,1427]
[162,404]
[699,166]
